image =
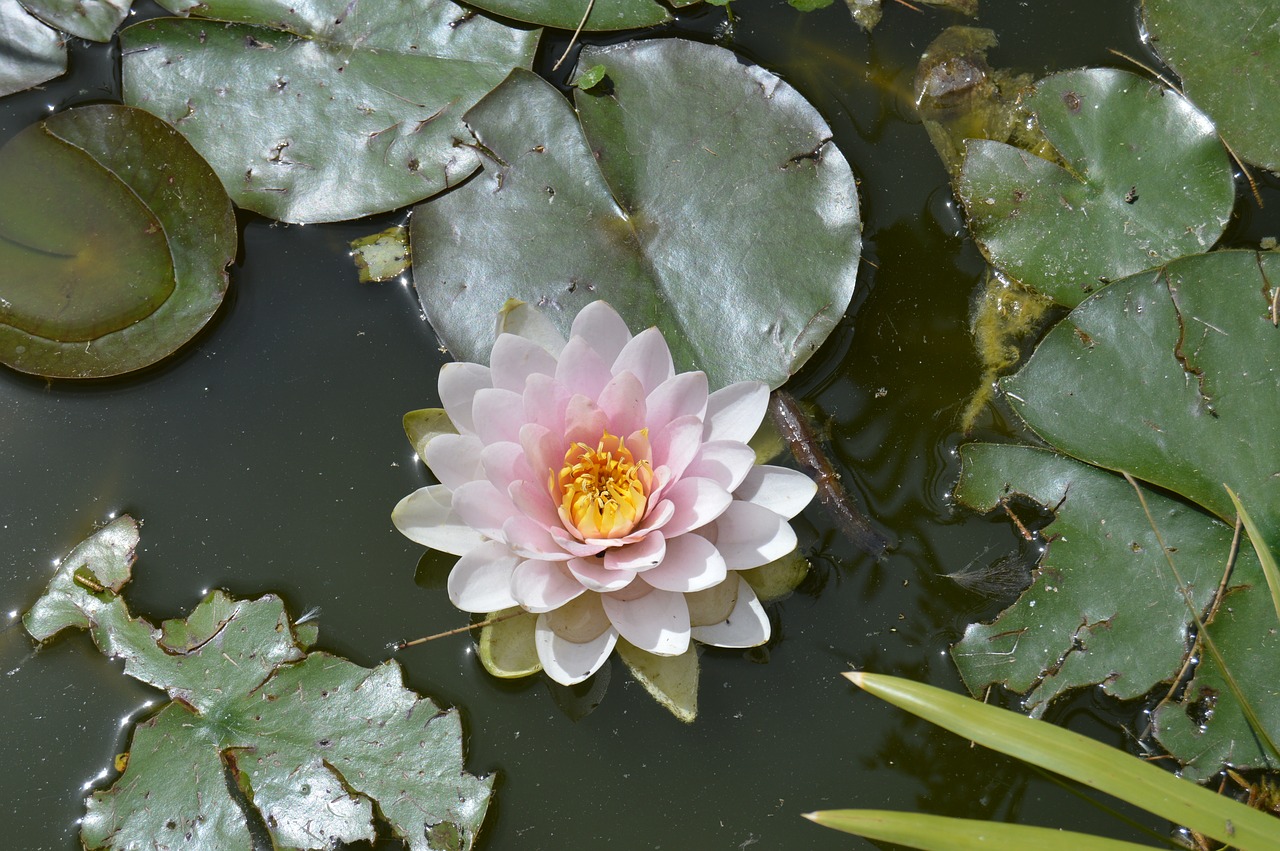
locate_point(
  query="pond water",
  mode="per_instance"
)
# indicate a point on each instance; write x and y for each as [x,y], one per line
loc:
[267,454]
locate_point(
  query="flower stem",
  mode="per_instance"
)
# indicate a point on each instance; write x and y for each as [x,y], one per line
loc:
[401,645]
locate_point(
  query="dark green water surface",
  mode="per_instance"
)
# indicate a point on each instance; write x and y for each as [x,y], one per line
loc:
[267,455]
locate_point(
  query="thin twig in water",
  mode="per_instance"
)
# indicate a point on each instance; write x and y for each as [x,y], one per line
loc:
[582,23]
[400,645]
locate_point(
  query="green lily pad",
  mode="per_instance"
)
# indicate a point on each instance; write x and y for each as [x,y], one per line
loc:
[312,742]
[698,194]
[568,14]
[1103,607]
[95,20]
[30,52]
[1142,179]
[1228,58]
[323,110]
[1174,376]
[670,680]
[114,242]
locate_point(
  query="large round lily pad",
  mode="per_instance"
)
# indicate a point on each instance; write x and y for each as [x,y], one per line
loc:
[92,19]
[698,194]
[1228,56]
[114,242]
[1142,179]
[568,14]
[321,110]
[30,52]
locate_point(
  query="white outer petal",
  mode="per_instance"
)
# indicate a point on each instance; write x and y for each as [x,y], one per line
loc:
[602,329]
[779,489]
[748,535]
[735,412]
[454,459]
[525,320]
[568,662]
[746,626]
[458,384]
[481,580]
[426,517]
[657,622]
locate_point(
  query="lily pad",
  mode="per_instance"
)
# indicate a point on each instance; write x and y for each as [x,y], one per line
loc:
[569,14]
[670,680]
[1142,179]
[1228,58]
[114,242]
[95,20]
[30,52]
[311,742]
[698,194]
[323,109]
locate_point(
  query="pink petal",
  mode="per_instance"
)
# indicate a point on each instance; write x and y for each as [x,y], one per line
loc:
[569,662]
[642,555]
[426,517]
[647,357]
[692,563]
[782,491]
[750,535]
[454,459]
[676,444]
[657,517]
[735,412]
[532,501]
[581,370]
[544,402]
[657,622]
[483,507]
[602,328]
[530,539]
[514,359]
[726,462]
[458,385]
[498,415]
[481,580]
[584,422]
[679,396]
[540,586]
[697,502]
[504,463]
[622,401]
[544,450]
[746,626]
[570,544]
[592,573]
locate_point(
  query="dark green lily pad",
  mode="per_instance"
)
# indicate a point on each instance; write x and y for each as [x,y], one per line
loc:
[324,109]
[698,194]
[312,742]
[95,20]
[114,242]
[30,52]
[1142,179]
[1228,57]
[568,14]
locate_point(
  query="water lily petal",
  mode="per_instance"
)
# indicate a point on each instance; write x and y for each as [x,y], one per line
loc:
[749,535]
[735,412]
[545,400]
[644,554]
[697,502]
[514,359]
[454,459]
[782,491]
[622,400]
[529,539]
[458,385]
[540,586]
[584,422]
[481,579]
[657,622]
[659,515]
[746,626]
[426,517]
[725,462]
[569,662]
[675,445]
[582,370]
[532,501]
[602,328]
[679,396]
[692,563]
[503,463]
[592,573]
[647,357]
[483,507]
[496,414]
[525,320]
[544,450]
[579,549]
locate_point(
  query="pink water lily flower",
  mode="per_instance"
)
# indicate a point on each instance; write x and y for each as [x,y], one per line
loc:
[590,483]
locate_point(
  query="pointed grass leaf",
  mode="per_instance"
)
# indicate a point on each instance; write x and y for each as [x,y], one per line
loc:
[591,15]
[1142,179]
[1265,556]
[95,20]
[1082,759]
[315,744]
[941,833]
[698,194]
[323,110]
[1227,56]
[114,241]
[30,52]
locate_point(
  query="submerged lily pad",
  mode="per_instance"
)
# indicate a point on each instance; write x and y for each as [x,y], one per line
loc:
[383,255]
[30,52]
[95,20]
[569,14]
[698,194]
[114,242]
[1142,179]
[312,742]
[1228,57]
[326,109]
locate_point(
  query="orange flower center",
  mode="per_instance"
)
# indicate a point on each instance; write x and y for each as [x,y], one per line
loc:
[603,491]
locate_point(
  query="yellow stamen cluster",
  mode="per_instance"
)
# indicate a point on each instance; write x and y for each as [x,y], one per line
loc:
[603,491]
